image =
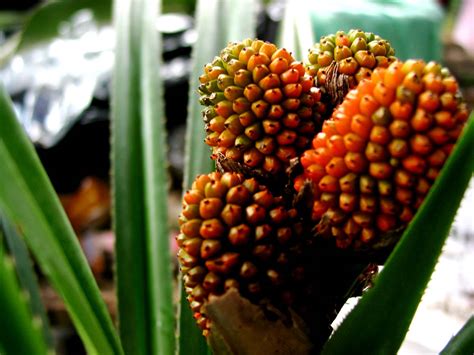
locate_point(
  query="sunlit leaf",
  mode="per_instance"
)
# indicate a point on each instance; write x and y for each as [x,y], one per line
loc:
[296,32]
[44,22]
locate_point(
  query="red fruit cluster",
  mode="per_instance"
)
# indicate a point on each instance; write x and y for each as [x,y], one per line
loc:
[377,157]
[235,233]
[369,168]
[261,106]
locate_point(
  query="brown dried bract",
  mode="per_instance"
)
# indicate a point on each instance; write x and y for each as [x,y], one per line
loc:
[337,84]
[239,327]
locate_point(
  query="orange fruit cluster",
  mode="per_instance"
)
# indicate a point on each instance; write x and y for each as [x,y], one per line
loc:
[380,152]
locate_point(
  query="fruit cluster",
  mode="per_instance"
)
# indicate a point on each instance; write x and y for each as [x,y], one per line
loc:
[366,171]
[235,233]
[380,152]
[261,106]
[356,54]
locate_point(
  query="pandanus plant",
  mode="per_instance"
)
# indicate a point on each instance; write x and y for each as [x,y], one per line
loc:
[306,197]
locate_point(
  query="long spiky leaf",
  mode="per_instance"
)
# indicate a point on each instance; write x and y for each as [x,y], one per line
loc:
[19,333]
[30,202]
[140,183]
[463,341]
[26,275]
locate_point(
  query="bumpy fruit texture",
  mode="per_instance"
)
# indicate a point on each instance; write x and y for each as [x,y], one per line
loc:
[356,53]
[235,233]
[261,107]
[377,157]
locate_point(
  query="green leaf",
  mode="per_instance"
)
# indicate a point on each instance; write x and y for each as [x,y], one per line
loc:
[140,183]
[215,29]
[26,275]
[20,333]
[11,19]
[463,341]
[186,6]
[380,321]
[30,202]
[44,22]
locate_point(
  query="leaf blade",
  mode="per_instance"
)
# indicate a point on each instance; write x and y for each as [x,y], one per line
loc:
[463,341]
[43,23]
[18,333]
[28,199]
[140,183]
[26,275]
[160,276]
[388,309]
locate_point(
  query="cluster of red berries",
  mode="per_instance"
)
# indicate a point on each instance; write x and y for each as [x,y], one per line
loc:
[380,152]
[261,105]
[236,233]
[368,169]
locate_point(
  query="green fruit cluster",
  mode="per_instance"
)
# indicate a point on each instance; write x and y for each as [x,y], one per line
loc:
[355,54]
